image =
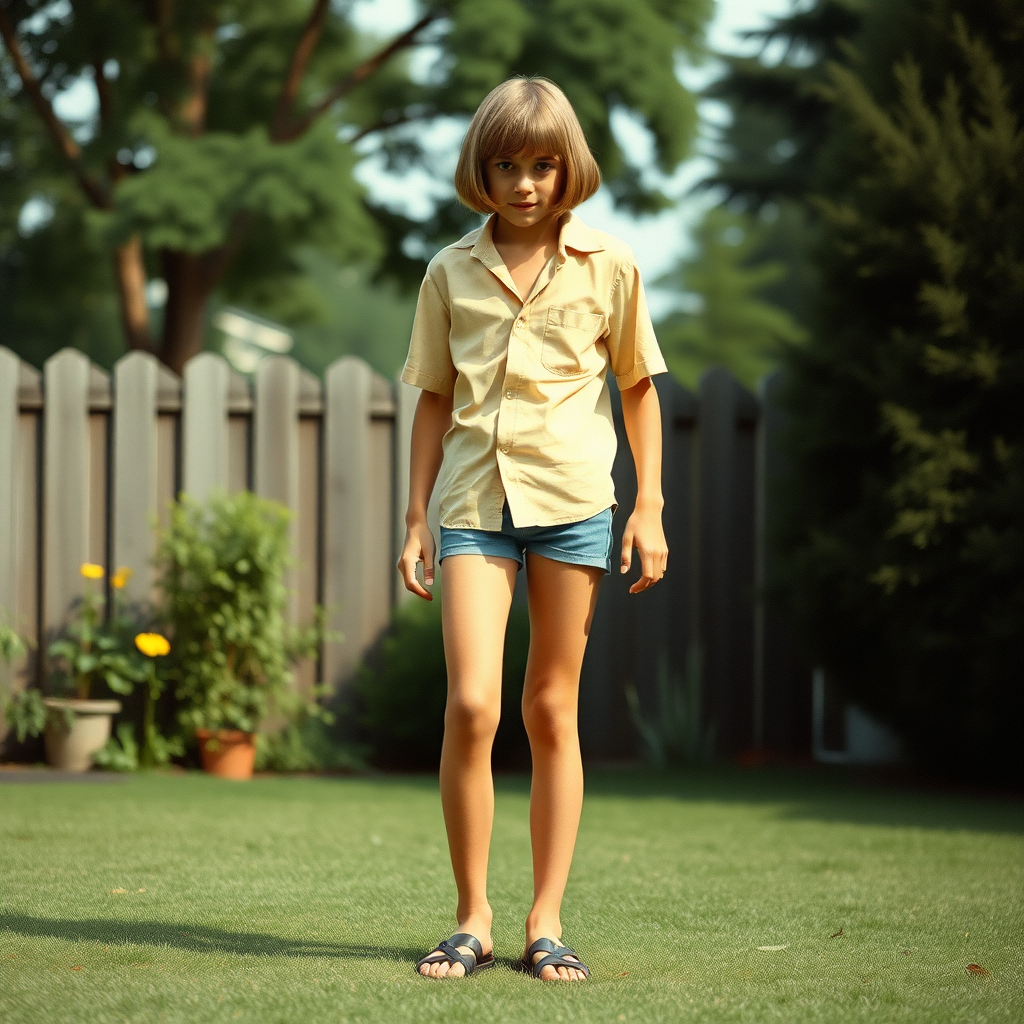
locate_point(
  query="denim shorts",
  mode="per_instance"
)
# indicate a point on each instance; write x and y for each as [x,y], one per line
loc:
[588,542]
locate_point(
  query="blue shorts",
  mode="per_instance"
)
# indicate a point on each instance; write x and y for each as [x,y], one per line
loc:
[588,542]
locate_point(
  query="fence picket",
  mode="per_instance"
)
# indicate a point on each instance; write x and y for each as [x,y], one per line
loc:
[348,387]
[69,471]
[136,382]
[204,431]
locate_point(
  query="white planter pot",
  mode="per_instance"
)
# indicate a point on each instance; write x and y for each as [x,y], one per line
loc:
[71,747]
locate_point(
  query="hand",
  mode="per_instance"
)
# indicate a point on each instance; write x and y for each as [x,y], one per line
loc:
[418,547]
[644,532]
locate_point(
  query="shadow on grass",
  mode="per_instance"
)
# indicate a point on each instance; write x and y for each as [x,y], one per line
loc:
[196,938]
[818,794]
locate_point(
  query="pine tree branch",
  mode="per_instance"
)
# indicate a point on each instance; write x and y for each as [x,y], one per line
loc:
[304,48]
[357,76]
[69,149]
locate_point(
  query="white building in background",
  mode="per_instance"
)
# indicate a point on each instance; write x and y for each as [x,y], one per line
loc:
[248,338]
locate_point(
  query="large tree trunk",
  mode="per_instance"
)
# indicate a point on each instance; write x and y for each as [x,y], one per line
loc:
[130,271]
[189,285]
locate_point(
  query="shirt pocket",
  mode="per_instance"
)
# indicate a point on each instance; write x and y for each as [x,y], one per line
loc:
[569,336]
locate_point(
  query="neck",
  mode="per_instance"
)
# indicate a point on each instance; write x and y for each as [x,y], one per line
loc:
[543,233]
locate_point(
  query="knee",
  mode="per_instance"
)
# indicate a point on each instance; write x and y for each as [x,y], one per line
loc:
[471,717]
[549,717]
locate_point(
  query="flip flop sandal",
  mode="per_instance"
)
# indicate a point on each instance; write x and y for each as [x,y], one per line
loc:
[447,952]
[556,958]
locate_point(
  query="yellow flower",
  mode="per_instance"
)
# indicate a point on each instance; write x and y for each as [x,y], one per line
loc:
[152,645]
[91,571]
[121,577]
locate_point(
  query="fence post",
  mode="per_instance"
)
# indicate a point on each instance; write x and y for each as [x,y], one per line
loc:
[276,449]
[138,378]
[346,530]
[205,425]
[725,607]
[783,681]
[10,366]
[74,491]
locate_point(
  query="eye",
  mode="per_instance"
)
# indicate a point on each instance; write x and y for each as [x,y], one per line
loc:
[545,166]
[504,165]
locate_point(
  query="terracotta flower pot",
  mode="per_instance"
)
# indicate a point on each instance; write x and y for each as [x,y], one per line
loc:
[71,746]
[229,753]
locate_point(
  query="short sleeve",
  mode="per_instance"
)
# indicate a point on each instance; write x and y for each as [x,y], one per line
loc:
[429,363]
[632,346]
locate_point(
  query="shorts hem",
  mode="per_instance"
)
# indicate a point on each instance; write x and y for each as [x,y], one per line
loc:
[557,555]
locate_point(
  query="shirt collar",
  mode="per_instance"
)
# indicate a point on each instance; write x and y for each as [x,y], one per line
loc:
[574,234]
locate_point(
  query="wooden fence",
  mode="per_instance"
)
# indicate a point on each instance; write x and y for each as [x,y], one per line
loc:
[89,462]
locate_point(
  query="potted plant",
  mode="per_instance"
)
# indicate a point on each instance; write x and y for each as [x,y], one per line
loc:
[91,650]
[222,568]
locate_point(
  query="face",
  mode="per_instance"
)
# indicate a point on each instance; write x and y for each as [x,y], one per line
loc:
[525,187]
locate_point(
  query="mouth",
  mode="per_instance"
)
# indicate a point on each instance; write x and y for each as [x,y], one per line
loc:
[522,206]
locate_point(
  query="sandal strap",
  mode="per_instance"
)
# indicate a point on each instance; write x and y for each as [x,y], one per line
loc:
[447,952]
[556,957]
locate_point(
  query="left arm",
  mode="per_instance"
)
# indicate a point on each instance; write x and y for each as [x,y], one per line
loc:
[641,412]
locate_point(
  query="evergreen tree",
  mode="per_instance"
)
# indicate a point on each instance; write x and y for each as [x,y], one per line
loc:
[223,143]
[733,325]
[902,540]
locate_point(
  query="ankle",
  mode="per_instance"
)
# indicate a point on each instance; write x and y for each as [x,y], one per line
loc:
[542,926]
[479,918]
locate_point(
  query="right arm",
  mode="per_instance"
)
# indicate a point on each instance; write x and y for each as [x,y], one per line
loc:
[432,420]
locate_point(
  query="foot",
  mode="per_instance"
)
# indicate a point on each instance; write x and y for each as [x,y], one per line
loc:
[476,926]
[552,972]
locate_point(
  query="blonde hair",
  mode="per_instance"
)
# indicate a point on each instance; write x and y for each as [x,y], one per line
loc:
[526,115]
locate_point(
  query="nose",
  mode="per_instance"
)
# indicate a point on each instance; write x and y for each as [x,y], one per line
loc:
[524,185]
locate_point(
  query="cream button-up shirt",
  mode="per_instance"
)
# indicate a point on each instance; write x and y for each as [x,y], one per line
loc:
[531,414]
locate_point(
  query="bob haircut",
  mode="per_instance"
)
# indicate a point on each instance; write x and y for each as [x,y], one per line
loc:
[526,115]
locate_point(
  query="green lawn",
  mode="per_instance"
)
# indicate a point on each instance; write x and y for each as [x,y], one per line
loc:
[183,898]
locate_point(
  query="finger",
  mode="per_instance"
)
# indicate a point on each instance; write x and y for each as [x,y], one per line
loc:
[428,568]
[407,567]
[626,558]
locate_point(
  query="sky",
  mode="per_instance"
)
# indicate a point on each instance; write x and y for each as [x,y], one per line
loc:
[657,241]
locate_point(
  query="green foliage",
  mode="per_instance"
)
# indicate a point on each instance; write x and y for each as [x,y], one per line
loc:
[734,327]
[307,745]
[901,543]
[94,650]
[222,568]
[197,150]
[26,713]
[12,646]
[404,685]
[120,753]
[359,317]
[677,735]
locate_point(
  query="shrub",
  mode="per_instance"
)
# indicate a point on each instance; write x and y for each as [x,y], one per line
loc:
[222,567]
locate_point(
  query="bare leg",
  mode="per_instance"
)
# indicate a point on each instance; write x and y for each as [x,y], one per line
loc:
[477,597]
[562,599]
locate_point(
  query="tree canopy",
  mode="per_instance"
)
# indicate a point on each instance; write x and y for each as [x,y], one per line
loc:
[733,325]
[901,538]
[226,133]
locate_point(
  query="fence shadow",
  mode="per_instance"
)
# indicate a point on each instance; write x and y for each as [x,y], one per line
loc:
[196,938]
[818,794]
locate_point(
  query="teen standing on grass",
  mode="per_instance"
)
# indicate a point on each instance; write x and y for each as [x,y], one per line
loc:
[516,327]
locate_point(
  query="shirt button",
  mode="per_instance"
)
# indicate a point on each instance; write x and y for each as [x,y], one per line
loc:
[503,450]
[509,394]
[520,322]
